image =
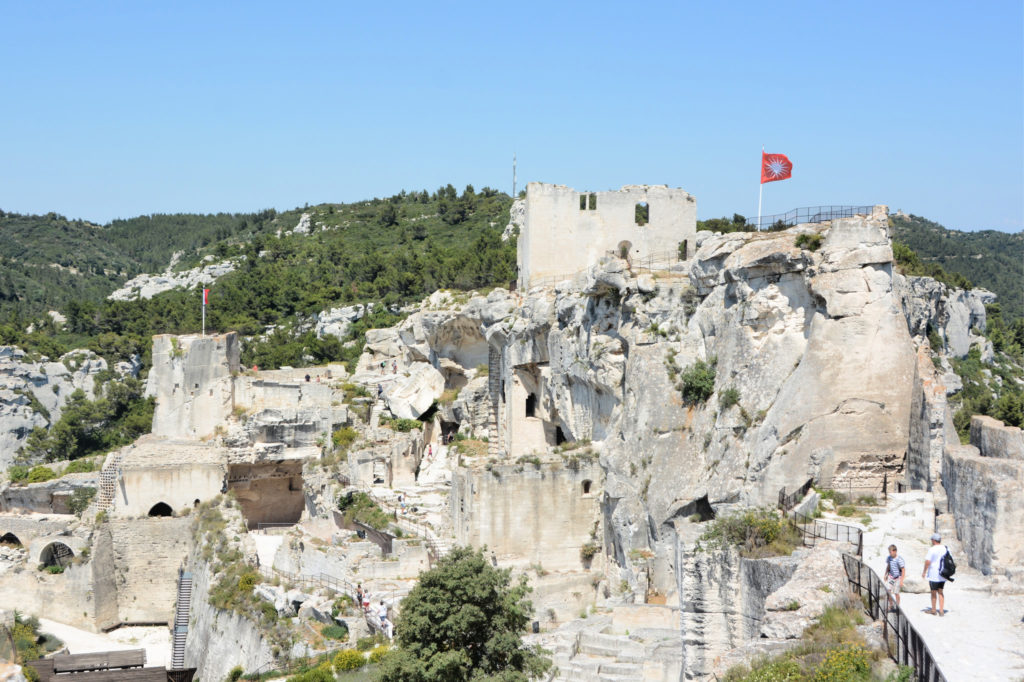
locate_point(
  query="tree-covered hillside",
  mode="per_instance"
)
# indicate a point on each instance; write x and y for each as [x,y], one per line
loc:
[989,259]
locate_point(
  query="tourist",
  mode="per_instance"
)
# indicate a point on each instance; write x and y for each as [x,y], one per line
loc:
[366,602]
[394,366]
[380,391]
[430,451]
[359,594]
[385,624]
[383,364]
[932,566]
[895,572]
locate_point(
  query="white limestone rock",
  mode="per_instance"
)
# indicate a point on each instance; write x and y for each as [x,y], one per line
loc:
[412,395]
[303,226]
[147,286]
[338,321]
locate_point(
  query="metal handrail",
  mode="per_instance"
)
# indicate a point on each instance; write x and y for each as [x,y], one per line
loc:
[813,529]
[903,642]
[787,502]
[809,214]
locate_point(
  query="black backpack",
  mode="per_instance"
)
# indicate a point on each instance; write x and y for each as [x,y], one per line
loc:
[947,567]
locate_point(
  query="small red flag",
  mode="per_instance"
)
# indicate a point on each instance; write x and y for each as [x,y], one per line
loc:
[206,296]
[775,167]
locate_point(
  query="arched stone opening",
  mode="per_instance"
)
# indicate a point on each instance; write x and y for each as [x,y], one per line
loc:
[624,249]
[160,509]
[56,554]
[10,539]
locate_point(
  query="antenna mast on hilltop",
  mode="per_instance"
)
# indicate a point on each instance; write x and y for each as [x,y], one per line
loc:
[513,175]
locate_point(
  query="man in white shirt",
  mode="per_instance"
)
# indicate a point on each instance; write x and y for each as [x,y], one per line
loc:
[932,566]
[385,624]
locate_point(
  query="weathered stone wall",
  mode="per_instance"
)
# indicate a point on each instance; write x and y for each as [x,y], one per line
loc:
[192,382]
[147,555]
[527,515]
[177,486]
[38,593]
[559,238]
[268,492]
[993,438]
[49,497]
[104,580]
[928,411]
[984,496]
[219,640]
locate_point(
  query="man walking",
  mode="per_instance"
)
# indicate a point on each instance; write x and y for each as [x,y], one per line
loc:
[895,572]
[932,566]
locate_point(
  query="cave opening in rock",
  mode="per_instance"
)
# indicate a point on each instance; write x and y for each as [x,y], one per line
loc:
[269,493]
[586,486]
[160,509]
[559,435]
[531,405]
[10,539]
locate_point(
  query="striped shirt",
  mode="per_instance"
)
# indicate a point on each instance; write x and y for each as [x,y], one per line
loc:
[894,566]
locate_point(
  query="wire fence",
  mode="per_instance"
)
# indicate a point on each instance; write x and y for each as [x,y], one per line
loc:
[809,214]
[787,502]
[905,645]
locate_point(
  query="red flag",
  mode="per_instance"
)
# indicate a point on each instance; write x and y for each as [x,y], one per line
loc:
[206,296]
[775,167]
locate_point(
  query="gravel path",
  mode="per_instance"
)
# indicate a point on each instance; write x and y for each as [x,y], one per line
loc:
[981,637]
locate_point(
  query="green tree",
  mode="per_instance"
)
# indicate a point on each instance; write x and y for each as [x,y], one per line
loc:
[464,621]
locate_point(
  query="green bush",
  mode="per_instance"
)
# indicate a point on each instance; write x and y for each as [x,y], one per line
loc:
[767,670]
[728,398]
[589,551]
[80,500]
[80,466]
[811,242]
[698,382]
[344,437]
[757,532]
[248,581]
[235,673]
[335,632]
[378,653]
[846,510]
[321,673]
[18,473]
[349,659]
[367,643]
[844,664]
[358,506]
[38,474]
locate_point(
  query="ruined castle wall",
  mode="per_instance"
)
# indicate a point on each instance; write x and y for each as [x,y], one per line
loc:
[527,515]
[928,409]
[560,238]
[104,582]
[147,555]
[67,596]
[192,382]
[179,487]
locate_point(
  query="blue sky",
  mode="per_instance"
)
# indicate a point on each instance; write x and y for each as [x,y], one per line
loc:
[119,109]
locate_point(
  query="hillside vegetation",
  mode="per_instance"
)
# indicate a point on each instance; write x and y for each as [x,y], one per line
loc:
[989,259]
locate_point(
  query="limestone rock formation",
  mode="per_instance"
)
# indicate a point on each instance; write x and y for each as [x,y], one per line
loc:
[147,286]
[338,321]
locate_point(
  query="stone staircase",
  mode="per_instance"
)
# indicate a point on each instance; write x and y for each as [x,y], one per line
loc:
[494,391]
[180,631]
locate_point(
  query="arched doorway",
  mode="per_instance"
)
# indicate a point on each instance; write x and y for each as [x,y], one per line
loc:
[10,539]
[160,509]
[56,554]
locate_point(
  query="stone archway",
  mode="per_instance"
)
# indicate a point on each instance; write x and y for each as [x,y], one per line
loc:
[161,509]
[56,554]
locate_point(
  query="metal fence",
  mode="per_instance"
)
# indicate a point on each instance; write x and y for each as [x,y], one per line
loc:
[328,582]
[903,642]
[787,502]
[809,214]
[813,529]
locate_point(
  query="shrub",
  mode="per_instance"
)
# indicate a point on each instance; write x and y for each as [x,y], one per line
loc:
[358,506]
[811,242]
[349,659]
[589,551]
[367,643]
[235,673]
[248,581]
[844,664]
[344,437]
[17,473]
[767,670]
[846,510]
[698,382]
[54,570]
[321,673]
[80,500]
[38,474]
[757,532]
[80,466]
[728,398]
[335,632]
[378,653]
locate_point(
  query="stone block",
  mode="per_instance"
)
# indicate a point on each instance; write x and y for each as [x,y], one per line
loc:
[993,438]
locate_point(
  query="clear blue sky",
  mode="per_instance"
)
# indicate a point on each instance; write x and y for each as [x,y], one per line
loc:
[119,109]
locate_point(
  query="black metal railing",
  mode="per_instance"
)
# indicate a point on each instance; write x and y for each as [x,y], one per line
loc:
[813,529]
[904,643]
[809,214]
[787,502]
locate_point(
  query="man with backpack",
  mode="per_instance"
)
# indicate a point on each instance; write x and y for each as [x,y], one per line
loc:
[895,572]
[938,568]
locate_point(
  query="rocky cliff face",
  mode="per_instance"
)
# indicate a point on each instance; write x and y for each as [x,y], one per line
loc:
[33,392]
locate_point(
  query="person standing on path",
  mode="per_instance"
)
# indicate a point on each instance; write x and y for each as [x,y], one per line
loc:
[895,572]
[932,566]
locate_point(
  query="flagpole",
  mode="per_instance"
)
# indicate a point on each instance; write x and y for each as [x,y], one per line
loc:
[204,310]
[760,192]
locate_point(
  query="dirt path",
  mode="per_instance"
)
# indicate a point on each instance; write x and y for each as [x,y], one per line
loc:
[155,640]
